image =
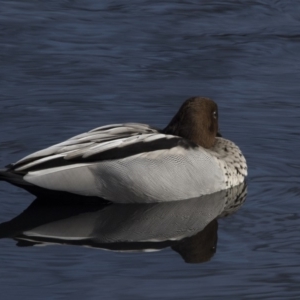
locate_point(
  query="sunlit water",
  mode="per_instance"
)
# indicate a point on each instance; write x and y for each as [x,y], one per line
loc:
[70,66]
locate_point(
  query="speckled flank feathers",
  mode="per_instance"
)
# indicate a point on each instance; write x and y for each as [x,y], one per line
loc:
[231,161]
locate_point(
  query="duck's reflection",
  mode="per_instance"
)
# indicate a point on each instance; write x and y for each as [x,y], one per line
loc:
[188,226]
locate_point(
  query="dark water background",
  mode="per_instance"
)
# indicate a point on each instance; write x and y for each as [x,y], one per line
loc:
[69,66]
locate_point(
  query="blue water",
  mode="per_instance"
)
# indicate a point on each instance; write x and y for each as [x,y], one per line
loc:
[69,66]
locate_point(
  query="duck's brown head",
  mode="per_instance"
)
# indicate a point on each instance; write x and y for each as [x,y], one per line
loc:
[197,121]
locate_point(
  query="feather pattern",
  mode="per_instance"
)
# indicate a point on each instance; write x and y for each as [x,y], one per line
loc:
[79,144]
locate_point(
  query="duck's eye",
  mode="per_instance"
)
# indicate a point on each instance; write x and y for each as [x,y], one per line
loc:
[215,114]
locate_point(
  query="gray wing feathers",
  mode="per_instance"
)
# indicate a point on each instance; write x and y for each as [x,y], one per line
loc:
[137,126]
[96,137]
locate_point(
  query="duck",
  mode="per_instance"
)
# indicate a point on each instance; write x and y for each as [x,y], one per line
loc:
[137,163]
